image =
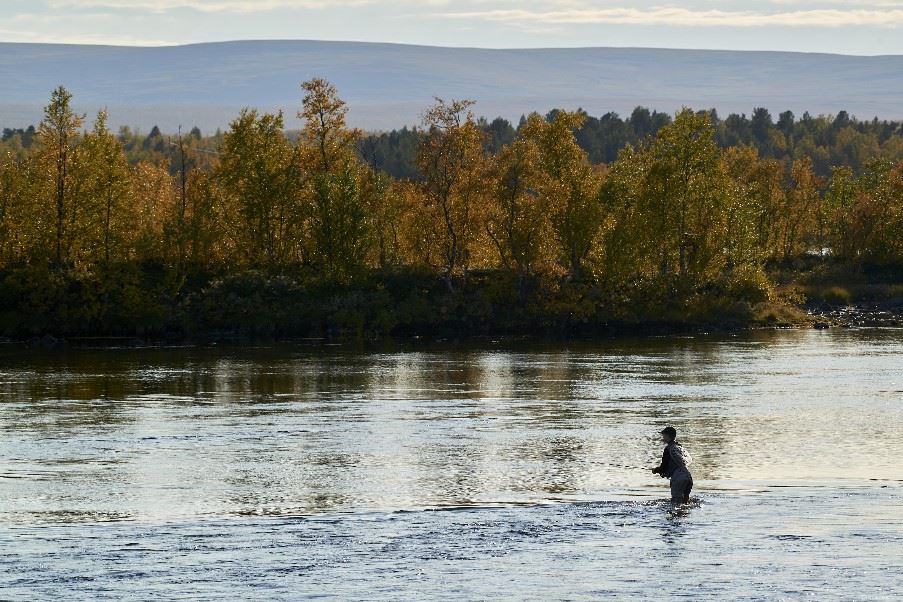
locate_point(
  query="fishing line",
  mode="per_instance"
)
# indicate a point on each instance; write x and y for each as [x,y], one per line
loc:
[614,465]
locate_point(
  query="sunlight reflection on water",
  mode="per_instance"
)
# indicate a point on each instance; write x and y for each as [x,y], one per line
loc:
[271,456]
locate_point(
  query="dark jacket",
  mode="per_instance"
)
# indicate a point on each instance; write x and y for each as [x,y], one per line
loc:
[671,460]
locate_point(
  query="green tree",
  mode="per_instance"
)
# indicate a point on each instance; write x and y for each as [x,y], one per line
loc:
[685,195]
[258,176]
[799,222]
[517,222]
[758,185]
[338,216]
[206,240]
[388,211]
[670,203]
[866,213]
[106,192]
[630,247]
[58,136]
[569,185]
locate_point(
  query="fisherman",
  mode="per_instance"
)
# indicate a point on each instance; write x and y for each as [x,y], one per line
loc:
[675,466]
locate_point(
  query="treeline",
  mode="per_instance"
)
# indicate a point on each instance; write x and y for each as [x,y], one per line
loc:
[153,147]
[828,141]
[518,230]
[838,141]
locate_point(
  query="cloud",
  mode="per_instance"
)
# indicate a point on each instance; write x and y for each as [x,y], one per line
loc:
[685,17]
[9,35]
[59,28]
[209,6]
[259,6]
[865,3]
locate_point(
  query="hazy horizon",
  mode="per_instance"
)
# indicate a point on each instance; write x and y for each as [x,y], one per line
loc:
[389,86]
[449,46]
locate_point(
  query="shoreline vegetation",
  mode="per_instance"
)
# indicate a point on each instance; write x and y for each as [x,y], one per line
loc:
[565,226]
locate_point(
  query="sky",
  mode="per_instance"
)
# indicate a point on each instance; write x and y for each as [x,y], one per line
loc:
[864,27]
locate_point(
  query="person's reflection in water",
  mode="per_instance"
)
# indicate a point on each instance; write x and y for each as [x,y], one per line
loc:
[675,525]
[675,466]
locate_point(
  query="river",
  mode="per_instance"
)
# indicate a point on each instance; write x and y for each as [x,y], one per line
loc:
[512,471]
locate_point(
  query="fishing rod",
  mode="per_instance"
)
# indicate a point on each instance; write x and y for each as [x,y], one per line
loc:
[628,466]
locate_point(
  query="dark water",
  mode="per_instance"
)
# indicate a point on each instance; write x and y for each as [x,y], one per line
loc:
[502,473]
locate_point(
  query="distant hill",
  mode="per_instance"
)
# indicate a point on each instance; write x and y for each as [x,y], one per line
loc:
[389,85]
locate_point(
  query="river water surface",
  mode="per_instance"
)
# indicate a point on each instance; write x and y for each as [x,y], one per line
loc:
[507,472]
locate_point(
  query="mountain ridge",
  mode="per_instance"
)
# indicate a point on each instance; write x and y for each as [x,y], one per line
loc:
[389,85]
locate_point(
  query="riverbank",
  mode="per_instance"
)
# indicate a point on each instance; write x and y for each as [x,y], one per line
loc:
[143,303]
[146,302]
[840,294]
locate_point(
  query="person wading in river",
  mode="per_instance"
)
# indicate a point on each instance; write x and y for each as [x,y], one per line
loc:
[675,466]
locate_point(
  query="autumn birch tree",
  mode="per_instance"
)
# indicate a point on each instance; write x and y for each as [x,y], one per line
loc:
[451,160]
